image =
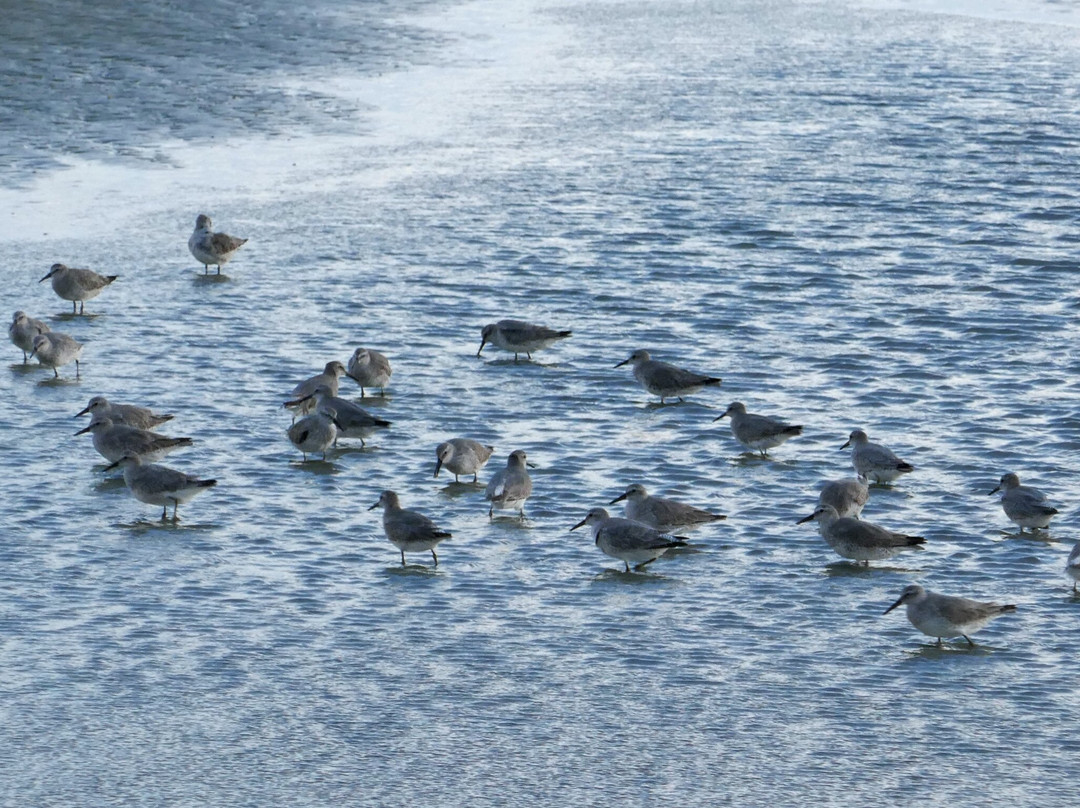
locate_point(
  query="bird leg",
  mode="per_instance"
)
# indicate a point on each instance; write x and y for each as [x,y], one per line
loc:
[403,558]
[435,557]
[966,637]
[164,512]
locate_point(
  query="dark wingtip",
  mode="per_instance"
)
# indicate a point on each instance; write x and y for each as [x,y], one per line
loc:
[112,277]
[794,430]
[565,333]
[208,483]
[905,467]
[913,540]
[711,380]
[1009,607]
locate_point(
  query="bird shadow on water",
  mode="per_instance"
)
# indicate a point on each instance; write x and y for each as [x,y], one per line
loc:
[412,570]
[949,650]
[632,578]
[62,381]
[209,280]
[316,466]
[458,490]
[147,527]
[69,317]
[854,569]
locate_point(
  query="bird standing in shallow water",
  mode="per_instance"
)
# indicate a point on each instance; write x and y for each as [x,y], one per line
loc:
[510,487]
[940,616]
[22,331]
[1024,505]
[664,379]
[209,247]
[518,336]
[369,368]
[758,433]
[129,414]
[861,541]
[662,514]
[77,285]
[159,485]
[462,456]
[54,350]
[872,461]
[627,540]
[409,531]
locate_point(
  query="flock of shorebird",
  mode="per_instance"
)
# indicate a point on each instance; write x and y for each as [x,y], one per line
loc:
[123,434]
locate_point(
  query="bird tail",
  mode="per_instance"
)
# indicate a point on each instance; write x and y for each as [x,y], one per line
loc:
[793,430]
[905,467]
[1010,607]
[912,541]
[712,380]
[111,278]
[207,483]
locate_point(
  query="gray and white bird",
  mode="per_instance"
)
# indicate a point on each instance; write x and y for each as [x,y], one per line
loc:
[351,420]
[858,540]
[759,433]
[1072,564]
[409,531]
[508,488]
[1024,505]
[664,515]
[519,337]
[77,285]
[369,368]
[315,433]
[159,485]
[129,414]
[462,456]
[939,616]
[114,441]
[209,247]
[22,331]
[54,350]
[872,461]
[303,400]
[664,379]
[847,496]
[626,539]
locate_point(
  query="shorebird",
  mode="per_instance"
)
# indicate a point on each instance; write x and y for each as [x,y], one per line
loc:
[22,331]
[662,514]
[759,433]
[316,432]
[351,420]
[519,337]
[209,247]
[369,368]
[872,461]
[1024,505]
[409,531]
[303,400]
[940,616]
[847,497]
[54,350]
[1072,564]
[158,485]
[627,540]
[664,379]
[114,441]
[462,456]
[510,487]
[861,541]
[77,285]
[129,414]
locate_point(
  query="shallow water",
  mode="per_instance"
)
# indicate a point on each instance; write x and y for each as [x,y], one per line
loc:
[859,217]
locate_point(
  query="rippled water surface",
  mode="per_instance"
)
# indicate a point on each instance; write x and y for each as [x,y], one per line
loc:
[858,215]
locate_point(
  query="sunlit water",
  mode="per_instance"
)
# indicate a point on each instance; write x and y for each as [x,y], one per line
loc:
[859,216]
